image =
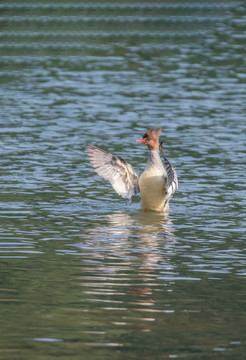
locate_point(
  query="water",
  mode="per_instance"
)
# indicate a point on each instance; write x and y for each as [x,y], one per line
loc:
[83,276]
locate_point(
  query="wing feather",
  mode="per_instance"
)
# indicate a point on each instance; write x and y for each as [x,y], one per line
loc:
[115,170]
[172,178]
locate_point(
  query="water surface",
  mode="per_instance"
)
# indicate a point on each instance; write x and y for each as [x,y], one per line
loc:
[82,274]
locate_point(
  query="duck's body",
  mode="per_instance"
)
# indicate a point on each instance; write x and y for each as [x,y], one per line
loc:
[152,183]
[156,184]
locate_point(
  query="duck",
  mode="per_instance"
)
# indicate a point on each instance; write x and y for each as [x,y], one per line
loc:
[156,184]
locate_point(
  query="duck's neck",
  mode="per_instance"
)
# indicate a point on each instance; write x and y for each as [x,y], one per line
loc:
[154,159]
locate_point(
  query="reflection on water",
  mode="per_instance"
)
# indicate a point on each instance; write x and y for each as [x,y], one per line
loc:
[127,250]
[147,231]
[152,231]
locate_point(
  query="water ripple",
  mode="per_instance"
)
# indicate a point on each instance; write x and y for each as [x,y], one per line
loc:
[81,271]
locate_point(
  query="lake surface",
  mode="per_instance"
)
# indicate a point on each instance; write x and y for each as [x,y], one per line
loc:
[83,276]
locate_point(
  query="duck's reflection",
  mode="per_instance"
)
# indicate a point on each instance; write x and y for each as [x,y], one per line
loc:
[147,222]
[129,252]
[148,233]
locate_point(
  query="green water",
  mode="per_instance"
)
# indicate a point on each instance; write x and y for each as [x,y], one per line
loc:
[83,276]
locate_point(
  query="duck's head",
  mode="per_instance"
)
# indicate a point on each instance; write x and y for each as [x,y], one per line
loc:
[151,138]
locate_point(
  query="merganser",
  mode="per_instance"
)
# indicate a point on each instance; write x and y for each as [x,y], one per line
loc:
[156,184]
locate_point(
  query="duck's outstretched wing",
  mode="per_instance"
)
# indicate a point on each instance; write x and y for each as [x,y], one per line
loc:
[114,169]
[172,178]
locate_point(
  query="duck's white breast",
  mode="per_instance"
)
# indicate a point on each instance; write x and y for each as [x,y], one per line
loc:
[152,189]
